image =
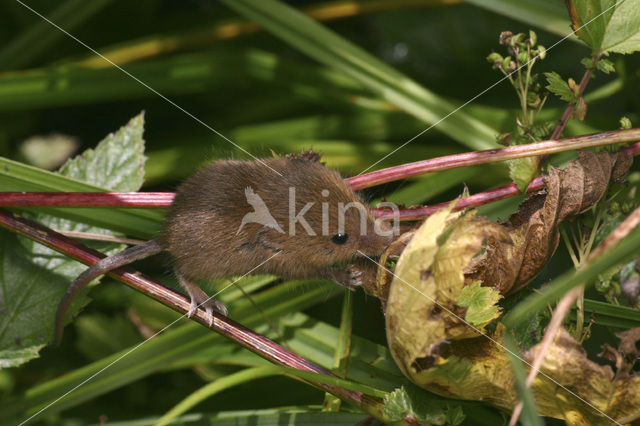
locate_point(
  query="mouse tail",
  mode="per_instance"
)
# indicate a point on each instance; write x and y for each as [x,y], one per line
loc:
[103,266]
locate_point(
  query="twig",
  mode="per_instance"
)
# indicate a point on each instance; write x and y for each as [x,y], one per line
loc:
[87,199]
[569,111]
[164,199]
[491,156]
[571,107]
[256,343]
[98,237]
[564,305]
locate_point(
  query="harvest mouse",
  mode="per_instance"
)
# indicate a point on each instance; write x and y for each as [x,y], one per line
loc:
[288,216]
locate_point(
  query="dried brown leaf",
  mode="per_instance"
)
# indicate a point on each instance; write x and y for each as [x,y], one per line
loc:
[534,228]
[428,330]
[566,361]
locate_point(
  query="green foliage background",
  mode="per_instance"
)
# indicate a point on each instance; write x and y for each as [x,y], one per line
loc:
[377,81]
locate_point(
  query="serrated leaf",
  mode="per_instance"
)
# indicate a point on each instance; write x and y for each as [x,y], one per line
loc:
[396,405]
[625,123]
[559,87]
[605,26]
[455,415]
[606,66]
[480,303]
[414,402]
[14,358]
[117,163]
[33,278]
[523,170]
[587,62]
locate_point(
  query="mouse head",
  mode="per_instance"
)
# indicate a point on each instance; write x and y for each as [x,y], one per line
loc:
[325,221]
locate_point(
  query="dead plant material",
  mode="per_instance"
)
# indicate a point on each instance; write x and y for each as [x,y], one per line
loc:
[534,228]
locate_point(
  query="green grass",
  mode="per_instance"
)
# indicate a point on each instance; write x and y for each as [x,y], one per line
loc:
[356,88]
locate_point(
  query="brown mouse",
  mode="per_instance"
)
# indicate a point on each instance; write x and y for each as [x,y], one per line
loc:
[288,216]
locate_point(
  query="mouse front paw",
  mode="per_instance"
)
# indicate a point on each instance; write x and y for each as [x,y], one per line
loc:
[349,277]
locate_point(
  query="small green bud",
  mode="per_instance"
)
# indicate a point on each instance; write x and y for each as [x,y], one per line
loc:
[587,62]
[533,99]
[516,39]
[603,285]
[542,52]
[625,123]
[494,58]
[580,109]
[506,63]
[533,38]
[573,85]
[614,208]
[523,58]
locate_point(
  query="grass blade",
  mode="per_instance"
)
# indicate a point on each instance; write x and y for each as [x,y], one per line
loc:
[330,49]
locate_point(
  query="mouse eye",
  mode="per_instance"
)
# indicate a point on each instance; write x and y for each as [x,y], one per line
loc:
[340,238]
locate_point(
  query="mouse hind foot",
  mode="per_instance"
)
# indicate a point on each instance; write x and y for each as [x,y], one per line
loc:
[200,299]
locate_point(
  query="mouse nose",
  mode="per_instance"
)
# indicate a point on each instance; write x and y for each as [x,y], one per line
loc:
[374,244]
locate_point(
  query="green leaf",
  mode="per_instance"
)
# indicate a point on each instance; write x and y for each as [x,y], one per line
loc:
[165,350]
[625,123]
[523,170]
[606,26]
[397,405]
[559,87]
[15,357]
[15,176]
[530,332]
[33,278]
[612,315]
[606,66]
[529,416]
[480,303]
[117,163]
[40,36]
[546,14]
[587,62]
[414,402]
[303,415]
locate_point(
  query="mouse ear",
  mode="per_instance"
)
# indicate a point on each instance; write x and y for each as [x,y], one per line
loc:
[310,155]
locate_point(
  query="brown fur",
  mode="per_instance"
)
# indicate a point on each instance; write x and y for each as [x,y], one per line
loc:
[200,228]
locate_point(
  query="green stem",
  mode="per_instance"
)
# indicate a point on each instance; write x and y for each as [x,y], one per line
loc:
[215,387]
[624,250]
[343,349]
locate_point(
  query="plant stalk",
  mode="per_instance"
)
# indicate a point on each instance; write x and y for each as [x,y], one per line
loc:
[245,337]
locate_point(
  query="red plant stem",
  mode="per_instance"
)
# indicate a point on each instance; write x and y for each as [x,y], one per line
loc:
[256,343]
[492,155]
[475,200]
[479,199]
[164,199]
[87,199]
[567,112]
